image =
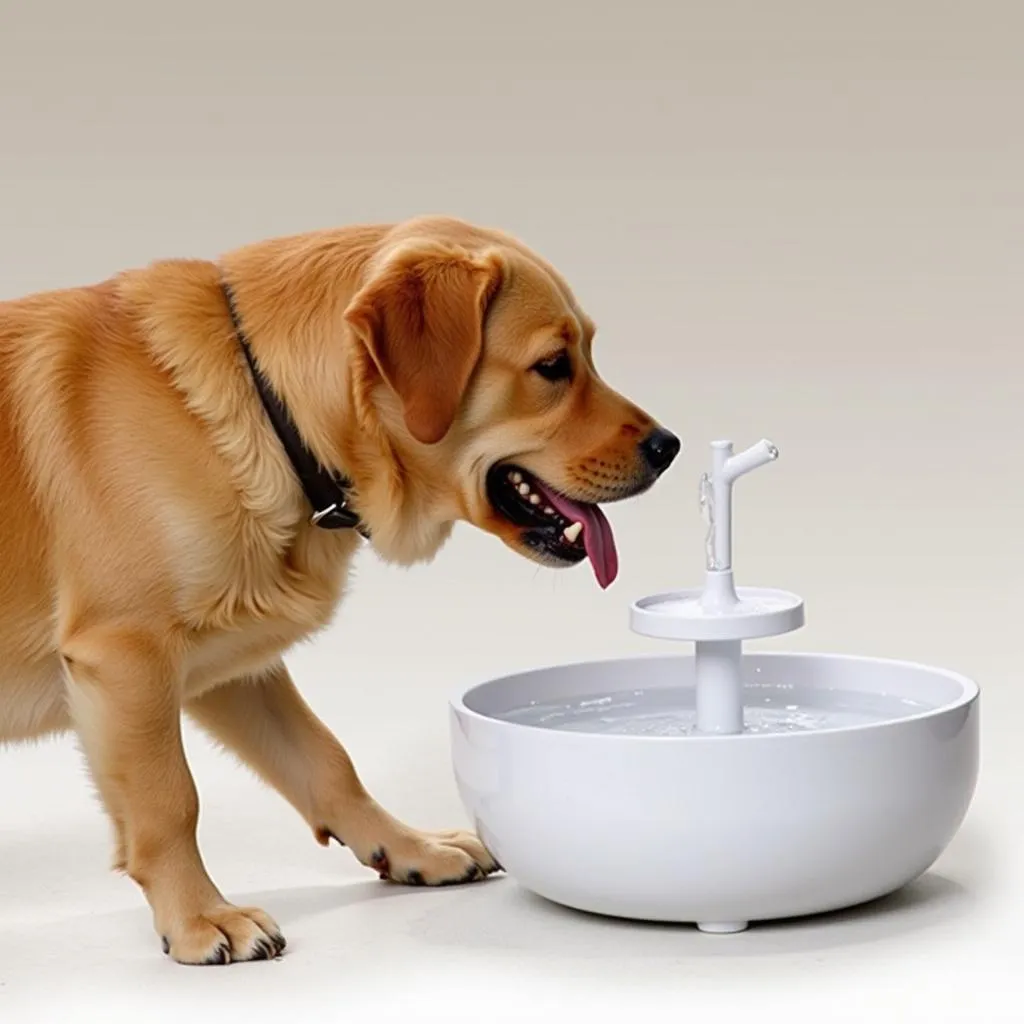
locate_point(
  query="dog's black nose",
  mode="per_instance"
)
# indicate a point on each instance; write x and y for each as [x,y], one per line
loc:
[659,449]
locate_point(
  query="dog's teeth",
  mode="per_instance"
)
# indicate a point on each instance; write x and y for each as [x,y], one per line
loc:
[534,499]
[524,489]
[548,510]
[570,533]
[517,478]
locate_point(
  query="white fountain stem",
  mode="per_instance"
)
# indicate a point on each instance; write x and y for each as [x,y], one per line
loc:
[719,695]
[719,686]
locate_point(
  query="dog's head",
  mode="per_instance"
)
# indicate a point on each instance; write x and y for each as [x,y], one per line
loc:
[477,361]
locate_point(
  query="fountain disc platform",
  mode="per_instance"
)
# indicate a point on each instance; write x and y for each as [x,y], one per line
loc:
[721,787]
[680,615]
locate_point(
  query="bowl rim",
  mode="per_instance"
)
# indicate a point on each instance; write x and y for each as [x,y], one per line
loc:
[971,695]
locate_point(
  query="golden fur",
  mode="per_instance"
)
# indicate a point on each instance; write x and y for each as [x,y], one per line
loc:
[156,551]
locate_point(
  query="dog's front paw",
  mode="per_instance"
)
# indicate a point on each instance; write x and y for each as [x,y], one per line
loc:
[433,858]
[224,935]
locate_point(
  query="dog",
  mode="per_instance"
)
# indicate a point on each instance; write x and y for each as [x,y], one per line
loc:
[190,455]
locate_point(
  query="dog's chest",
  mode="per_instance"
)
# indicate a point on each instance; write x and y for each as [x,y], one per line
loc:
[244,628]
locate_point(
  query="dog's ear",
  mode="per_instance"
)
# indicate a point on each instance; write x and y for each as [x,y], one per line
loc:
[421,319]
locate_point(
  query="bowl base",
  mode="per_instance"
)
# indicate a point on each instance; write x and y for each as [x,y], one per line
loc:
[722,927]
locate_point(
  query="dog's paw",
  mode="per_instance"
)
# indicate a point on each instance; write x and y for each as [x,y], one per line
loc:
[433,858]
[224,935]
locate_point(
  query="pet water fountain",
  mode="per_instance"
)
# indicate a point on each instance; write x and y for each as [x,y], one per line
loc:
[721,787]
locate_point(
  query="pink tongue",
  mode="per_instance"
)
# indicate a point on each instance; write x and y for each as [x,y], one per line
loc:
[597,535]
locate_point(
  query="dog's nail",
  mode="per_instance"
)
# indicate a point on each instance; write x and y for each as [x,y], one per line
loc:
[221,955]
[379,862]
[165,943]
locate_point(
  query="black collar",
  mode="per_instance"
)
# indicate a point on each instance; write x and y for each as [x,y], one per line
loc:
[326,492]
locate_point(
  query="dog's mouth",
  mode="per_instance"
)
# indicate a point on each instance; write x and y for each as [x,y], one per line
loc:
[557,529]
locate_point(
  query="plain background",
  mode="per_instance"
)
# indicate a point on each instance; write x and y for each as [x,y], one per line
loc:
[795,220]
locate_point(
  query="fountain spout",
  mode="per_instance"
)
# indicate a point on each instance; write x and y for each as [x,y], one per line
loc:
[759,454]
[726,469]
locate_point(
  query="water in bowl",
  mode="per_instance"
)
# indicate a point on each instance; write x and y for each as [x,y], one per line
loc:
[671,712]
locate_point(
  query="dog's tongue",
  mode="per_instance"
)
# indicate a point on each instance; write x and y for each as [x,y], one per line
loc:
[597,536]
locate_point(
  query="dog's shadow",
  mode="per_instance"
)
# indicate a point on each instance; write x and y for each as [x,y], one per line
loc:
[295,906]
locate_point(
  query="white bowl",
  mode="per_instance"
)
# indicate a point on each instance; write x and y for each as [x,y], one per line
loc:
[595,798]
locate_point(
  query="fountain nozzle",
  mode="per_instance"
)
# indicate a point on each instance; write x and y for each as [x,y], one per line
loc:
[756,455]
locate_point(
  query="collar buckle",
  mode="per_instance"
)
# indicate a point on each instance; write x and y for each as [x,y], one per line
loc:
[334,517]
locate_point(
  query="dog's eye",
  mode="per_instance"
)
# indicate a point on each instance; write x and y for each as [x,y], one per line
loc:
[556,367]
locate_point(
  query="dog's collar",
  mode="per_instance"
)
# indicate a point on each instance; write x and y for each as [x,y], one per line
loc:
[326,492]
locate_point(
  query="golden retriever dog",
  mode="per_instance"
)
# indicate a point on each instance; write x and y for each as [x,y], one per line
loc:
[190,455]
